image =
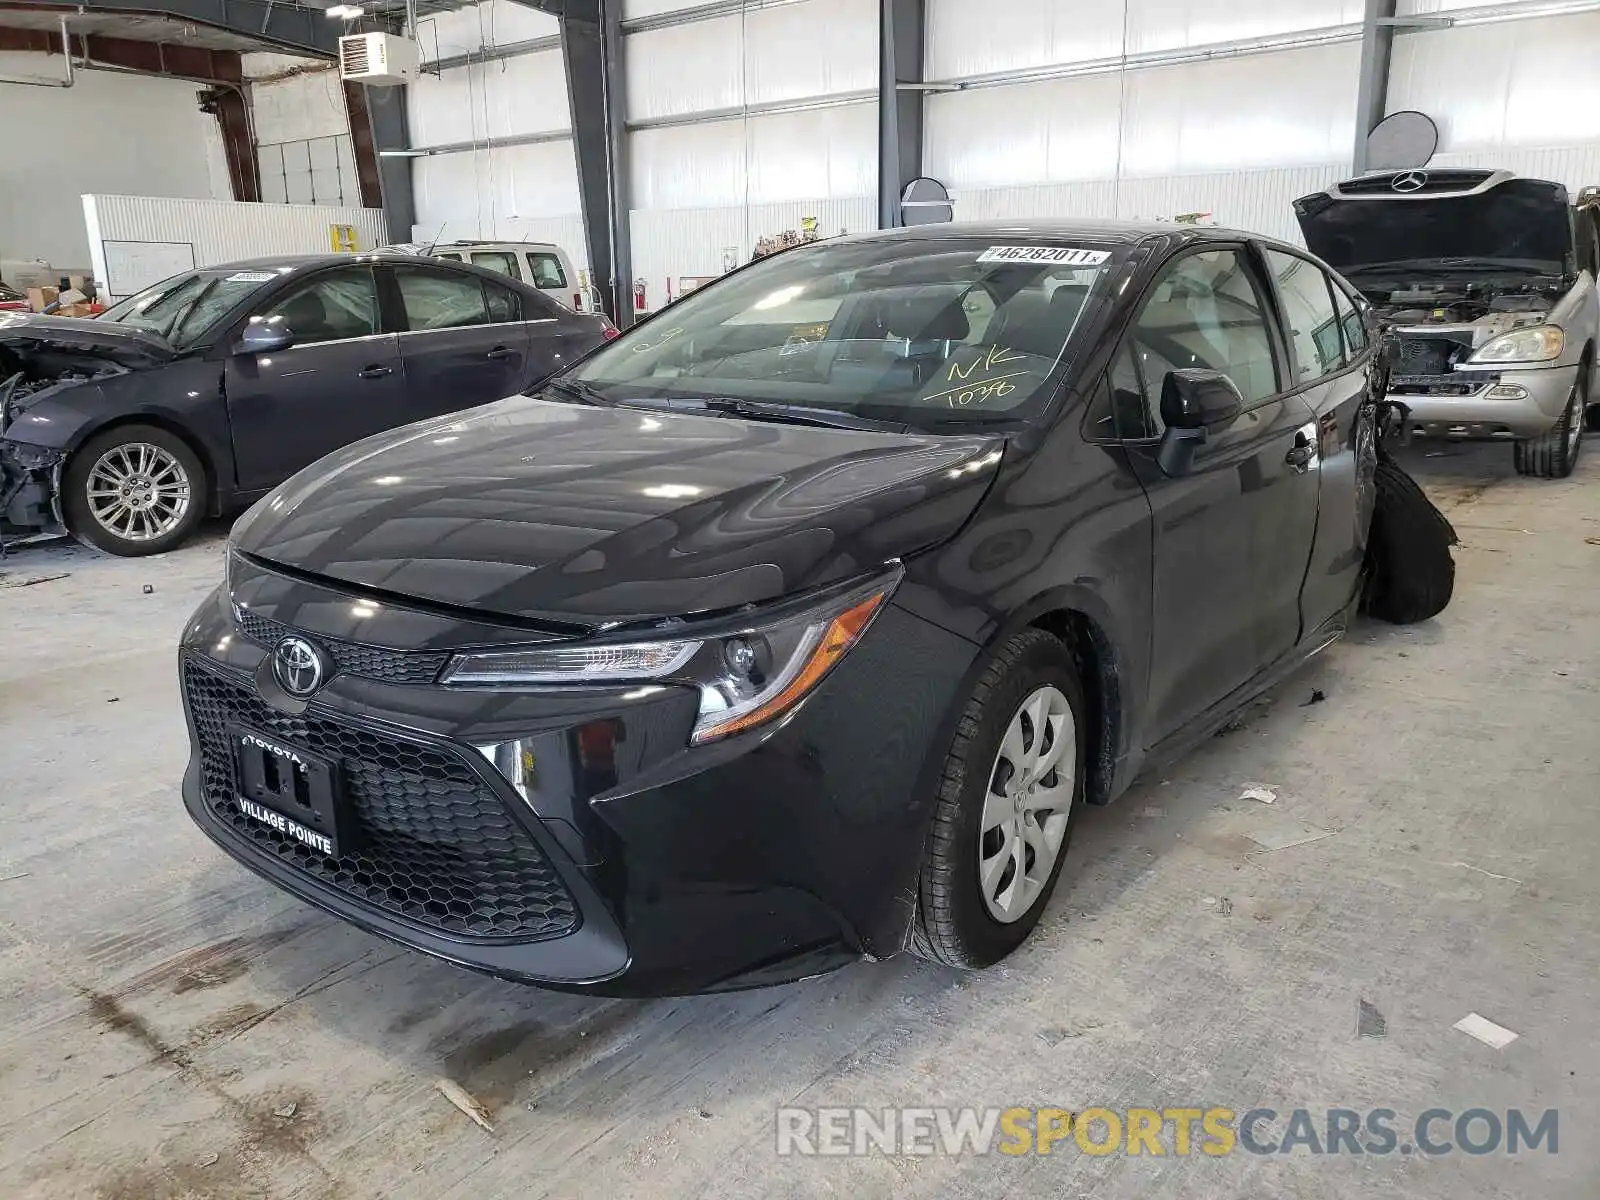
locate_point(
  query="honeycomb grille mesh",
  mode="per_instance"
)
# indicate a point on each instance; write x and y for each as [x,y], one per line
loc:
[426,840]
[352,658]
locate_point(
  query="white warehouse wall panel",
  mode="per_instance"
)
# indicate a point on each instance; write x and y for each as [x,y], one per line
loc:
[765,55]
[305,105]
[493,23]
[221,231]
[826,153]
[513,96]
[108,131]
[477,192]
[1525,83]
[1286,108]
[979,37]
[668,245]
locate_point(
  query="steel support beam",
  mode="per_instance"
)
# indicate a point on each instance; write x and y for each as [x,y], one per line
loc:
[900,38]
[228,104]
[592,52]
[387,128]
[1372,87]
[369,167]
[287,26]
[126,54]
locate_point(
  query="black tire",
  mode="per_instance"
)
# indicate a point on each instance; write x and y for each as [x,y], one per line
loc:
[88,528]
[952,925]
[1554,454]
[1411,573]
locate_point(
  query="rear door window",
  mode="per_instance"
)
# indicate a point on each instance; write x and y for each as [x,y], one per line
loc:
[501,262]
[504,304]
[545,270]
[1308,308]
[1352,322]
[440,299]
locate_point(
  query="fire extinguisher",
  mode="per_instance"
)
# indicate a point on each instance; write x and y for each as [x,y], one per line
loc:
[639,304]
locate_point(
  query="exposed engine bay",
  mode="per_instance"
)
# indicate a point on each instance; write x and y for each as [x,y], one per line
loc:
[29,372]
[1441,324]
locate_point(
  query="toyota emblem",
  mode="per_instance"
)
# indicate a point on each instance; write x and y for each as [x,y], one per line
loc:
[298,666]
[1411,181]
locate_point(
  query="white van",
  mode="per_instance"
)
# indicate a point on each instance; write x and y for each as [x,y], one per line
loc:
[542,264]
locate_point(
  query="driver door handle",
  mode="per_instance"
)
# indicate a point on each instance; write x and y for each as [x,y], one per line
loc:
[500,352]
[1303,456]
[376,371]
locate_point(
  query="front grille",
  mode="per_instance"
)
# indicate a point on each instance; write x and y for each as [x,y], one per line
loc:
[427,841]
[1431,355]
[351,658]
[1433,183]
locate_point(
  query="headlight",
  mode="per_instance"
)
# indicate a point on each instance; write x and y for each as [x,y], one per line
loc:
[748,673]
[1537,343]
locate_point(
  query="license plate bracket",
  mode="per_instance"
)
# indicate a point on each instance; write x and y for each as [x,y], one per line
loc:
[288,789]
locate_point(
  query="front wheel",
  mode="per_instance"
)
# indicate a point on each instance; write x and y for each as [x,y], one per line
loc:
[1012,779]
[1552,455]
[134,490]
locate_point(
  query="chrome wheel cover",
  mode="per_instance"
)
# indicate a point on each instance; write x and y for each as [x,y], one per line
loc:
[1026,804]
[138,491]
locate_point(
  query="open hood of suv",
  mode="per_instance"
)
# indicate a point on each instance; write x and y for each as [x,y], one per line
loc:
[540,510]
[1484,216]
[121,344]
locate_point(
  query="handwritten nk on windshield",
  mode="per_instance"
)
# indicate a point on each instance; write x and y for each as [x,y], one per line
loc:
[979,381]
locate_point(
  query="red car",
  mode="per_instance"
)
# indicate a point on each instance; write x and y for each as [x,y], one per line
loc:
[12,300]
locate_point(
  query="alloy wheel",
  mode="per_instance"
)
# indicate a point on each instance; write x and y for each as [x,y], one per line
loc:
[1027,804]
[138,491]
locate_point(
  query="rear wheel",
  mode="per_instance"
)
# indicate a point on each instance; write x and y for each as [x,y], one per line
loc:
[1411,574]
[134,490]
[1552,455]
[1012,780]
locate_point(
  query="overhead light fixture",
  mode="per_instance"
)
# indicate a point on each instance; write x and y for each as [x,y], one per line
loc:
[404,153]
[344,12]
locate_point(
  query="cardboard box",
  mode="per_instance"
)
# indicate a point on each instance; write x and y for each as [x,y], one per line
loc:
[40,298]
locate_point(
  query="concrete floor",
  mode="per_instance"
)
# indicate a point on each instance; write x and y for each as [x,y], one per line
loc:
[170,1026]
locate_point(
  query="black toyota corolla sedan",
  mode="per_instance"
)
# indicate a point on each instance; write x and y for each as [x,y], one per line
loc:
[793,626]
[206,390]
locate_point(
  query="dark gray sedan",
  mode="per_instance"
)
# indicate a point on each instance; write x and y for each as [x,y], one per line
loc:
[205,391]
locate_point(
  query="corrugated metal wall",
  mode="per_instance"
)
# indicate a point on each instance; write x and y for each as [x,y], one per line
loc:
[671,243]
[1523,95]
[702,190]
[483,190]
[223,231]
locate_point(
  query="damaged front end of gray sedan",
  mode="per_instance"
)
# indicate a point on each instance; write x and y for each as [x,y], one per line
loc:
[44,363]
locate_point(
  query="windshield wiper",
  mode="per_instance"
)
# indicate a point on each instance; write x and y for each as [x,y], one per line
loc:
[765,410]
[582,392]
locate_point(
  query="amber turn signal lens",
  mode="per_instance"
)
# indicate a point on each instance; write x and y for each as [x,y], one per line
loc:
[842,633]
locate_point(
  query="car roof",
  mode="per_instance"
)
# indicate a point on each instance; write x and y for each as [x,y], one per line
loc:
[1067,229]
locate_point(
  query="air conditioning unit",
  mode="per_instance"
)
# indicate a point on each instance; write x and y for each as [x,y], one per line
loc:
[378,58]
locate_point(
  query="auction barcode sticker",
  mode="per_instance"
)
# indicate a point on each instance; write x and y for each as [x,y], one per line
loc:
[1064,256]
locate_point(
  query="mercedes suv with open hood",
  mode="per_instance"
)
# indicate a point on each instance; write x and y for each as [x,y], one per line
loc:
[1488,280]
[794,625]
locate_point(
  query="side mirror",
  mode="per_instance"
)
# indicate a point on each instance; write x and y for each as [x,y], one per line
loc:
[265,337]
[1192,401]
[1196,399]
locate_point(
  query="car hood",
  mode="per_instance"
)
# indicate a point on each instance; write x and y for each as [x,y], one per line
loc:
[1524,220]
[121,344]
[540,510]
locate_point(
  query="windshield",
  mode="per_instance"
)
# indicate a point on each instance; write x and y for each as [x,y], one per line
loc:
[928,333]
[184,308]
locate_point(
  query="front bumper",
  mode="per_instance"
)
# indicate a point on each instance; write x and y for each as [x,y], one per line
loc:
[626,863]
[1485,404]
[30,490]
